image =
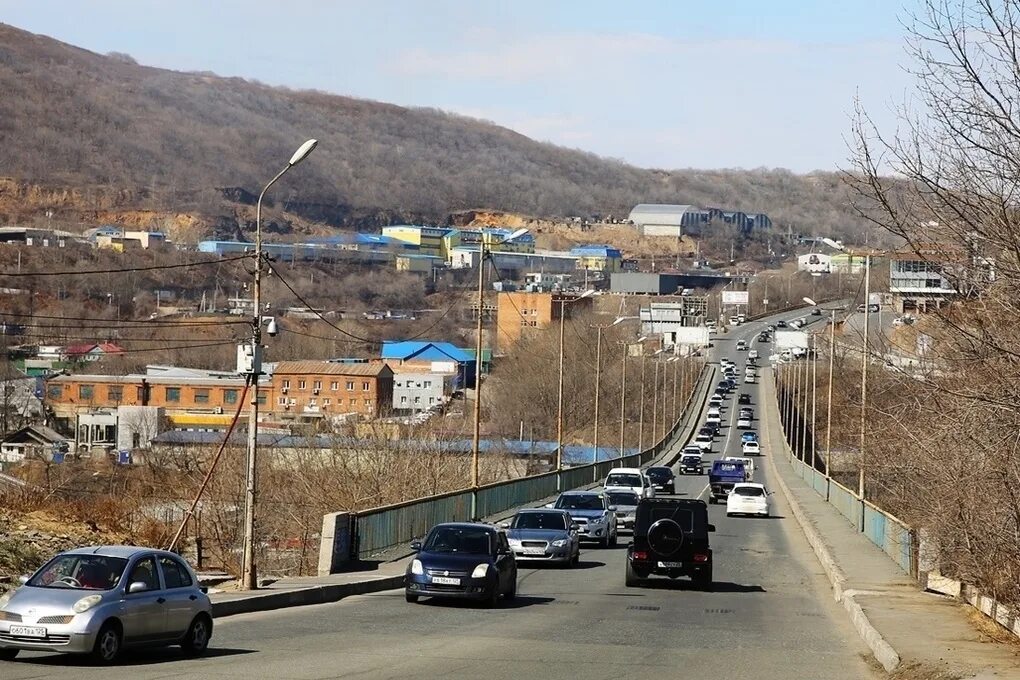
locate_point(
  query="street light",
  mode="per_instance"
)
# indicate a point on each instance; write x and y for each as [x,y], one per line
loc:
[476,437]
[559,399]
[249,577]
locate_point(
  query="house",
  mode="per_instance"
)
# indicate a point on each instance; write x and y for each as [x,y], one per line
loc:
[435,241]
[417,390]
[91,351]
[599,258]
[519,311]
[33,441]
[327,388]
[433,357]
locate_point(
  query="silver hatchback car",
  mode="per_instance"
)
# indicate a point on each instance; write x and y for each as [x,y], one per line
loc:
[99,600]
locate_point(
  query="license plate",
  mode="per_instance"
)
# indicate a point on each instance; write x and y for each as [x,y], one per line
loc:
[534,551]
[28,631]
[671,565]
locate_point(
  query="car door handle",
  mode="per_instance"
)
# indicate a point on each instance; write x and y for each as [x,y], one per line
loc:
[160,600]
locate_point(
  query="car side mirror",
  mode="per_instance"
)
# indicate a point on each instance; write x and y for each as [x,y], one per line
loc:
[504,525]
[23,579]
[711,527]
[574,526]
[549,505]
[611,508]
[416,546]
[138,587]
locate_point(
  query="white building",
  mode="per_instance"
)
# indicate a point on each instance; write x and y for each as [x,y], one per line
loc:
[667,220]
[816,263]
[673,321]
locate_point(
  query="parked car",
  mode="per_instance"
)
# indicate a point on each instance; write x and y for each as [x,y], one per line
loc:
[591,511]
[544,535]
[462,560]
[748,499]
[662,478]
[744,398]
[670,539]
[692,462]
[629,479]
[625,502]
[102,599]
[751,448]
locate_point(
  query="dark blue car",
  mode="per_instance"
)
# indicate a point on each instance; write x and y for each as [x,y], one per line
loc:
[462,560]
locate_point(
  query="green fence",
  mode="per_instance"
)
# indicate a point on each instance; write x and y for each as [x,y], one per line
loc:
[380,529]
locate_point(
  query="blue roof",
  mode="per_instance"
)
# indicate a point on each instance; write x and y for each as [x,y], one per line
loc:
[425,350]
[596,251]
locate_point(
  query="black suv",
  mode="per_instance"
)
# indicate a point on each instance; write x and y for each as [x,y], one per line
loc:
[670,539]
[662,478]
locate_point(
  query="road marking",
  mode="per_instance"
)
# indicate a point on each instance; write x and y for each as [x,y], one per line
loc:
[698,497]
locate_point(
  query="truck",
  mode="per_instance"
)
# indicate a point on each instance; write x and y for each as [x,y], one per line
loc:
[721,478]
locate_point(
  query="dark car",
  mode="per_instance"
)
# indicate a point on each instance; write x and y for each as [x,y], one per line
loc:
[744,399]
[780,324]
[662,478]
[462,560]
[816,312]
[764,337]
[708,430]
[692,462]
[670,539]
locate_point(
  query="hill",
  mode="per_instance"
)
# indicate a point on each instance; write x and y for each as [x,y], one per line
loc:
[90,136]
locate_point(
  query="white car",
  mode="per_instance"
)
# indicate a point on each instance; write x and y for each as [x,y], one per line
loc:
[744,423]
[629,479]
[704,442]
[752,354]
[748,466]
[748,499]
[751,449]
[741,345]
[713,419]
[714,411]
[749,378]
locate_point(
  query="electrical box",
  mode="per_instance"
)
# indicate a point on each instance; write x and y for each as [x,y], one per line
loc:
[249,359]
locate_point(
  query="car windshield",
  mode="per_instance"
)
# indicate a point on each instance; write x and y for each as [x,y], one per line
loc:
[463,540]
[749,491]
[539,520]
[80,572]
[622,498]
[690,460]
[588,501]
[623,479]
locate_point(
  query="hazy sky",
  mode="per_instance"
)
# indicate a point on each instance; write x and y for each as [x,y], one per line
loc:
[676,83]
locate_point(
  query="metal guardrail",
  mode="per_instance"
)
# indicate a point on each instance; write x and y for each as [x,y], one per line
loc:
[379,529]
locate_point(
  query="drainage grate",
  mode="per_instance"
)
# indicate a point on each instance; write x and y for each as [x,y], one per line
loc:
[719,611]
[644,608]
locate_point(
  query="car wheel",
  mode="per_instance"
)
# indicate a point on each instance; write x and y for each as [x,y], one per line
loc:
[612,540]
[512,593]
[711,500]
[672,490]
[492,597]
[729,514]
[631,579]
[410,597]
[604,542]
[576,559]
[7,654]
[196,641]
[107,646]
[704,580]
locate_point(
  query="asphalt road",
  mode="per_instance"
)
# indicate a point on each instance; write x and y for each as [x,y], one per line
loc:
[771,616]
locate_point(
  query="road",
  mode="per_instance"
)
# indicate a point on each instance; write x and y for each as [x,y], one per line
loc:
[771,616]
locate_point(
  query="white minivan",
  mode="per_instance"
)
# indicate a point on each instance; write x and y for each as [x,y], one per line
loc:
[629,479]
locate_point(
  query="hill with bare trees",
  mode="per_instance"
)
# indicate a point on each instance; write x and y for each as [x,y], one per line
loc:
[154,143]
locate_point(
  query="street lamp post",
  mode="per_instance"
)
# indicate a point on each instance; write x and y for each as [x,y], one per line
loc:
[483,254]
[249,576]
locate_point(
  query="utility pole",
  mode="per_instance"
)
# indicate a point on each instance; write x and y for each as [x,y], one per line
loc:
[655,398]
[864,378]
[641,411]
[598,380]
[623,402]
[476,435]
[249,576]
[828,408]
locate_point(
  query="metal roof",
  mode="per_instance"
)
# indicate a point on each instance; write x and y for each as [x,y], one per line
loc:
[424,350]
[330,368]
[660,213]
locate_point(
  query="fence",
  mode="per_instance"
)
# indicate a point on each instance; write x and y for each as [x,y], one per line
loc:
[374,531]
[895,538]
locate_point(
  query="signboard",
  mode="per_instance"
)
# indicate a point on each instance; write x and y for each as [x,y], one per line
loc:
[734,297]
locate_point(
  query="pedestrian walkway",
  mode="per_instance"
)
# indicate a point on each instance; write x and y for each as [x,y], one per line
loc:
[931,632]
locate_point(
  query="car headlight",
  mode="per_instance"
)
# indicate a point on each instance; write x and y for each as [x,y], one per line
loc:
[86,603]
[514,542]
[481,570]
[560,543]
[597,520]
[416,568]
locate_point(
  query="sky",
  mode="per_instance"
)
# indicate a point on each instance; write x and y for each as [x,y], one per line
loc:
[670,84]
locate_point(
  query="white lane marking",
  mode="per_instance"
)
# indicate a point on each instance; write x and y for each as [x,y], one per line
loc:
[698,497]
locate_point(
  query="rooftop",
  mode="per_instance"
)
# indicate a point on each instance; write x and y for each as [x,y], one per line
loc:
[330,368]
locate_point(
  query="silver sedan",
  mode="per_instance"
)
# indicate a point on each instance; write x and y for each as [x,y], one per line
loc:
[100,600]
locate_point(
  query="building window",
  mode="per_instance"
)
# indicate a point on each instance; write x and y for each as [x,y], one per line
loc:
[173,395]
[229,396]
[286,384]
[354,402]
[201,396]
[301,384]
[115,393]
[282,401]
[317,385]
[428,384]
[312,401]
[432,400]
[85,391]
[350,385]
[327,401]
[403,400]
[263,396]
[364,386]
[334,386]
[368,402]
[54,391]
[417,400]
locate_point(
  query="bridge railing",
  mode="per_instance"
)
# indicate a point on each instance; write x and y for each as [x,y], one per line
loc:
[361,535]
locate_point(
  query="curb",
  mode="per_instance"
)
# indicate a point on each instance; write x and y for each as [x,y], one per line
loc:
[303,596]
[882,650]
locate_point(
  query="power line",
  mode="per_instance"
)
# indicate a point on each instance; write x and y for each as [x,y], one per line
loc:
[148,322]
[127,270]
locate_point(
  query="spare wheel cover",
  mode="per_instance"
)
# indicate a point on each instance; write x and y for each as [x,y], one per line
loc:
[665,537]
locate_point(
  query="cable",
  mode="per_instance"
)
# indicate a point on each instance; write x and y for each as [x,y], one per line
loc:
[127,270]
[153,322]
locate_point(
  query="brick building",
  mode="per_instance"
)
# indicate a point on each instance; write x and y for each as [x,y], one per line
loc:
[519,310]
[331,388]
